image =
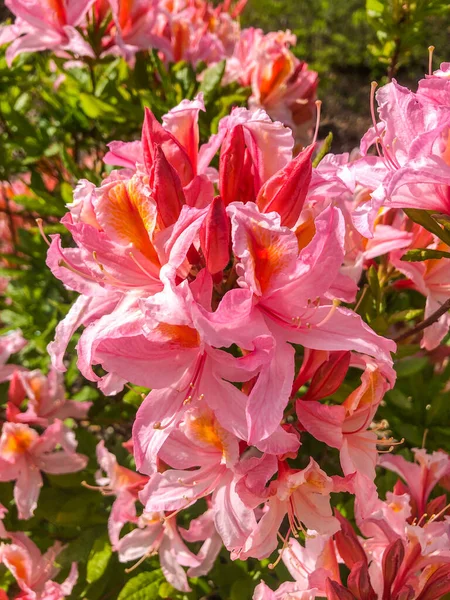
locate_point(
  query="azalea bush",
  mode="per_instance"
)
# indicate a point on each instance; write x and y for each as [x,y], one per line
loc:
[224,354]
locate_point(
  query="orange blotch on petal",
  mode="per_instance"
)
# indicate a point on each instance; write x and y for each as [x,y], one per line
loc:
[269,255]
[180,335]
[132,217]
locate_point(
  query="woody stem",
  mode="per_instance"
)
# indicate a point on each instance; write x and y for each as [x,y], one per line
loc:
[425,323]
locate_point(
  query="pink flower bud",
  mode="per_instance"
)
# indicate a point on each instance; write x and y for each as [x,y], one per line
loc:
[166,188]
[215,237]
[348,544]
[358,582]
[285,192]
[335,591]
[154,133]
[392,559]
[235,168]
[329,376]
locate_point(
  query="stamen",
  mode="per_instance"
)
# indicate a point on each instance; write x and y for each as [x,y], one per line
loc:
[280,556]
[385,156]
[430,60]
[40,225]
[150,552]
[439,514]
[331,312]
[424,516]
[318,104]
[134,259]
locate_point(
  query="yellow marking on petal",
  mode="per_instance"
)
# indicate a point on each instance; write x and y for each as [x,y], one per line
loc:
[18,441]
[131,218]
[205,430]
[368,397]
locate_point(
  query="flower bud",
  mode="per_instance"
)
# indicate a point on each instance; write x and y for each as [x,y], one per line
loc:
[235,168]
[329,376]
[215,234]
[335,591]
[167,191]
[285,192]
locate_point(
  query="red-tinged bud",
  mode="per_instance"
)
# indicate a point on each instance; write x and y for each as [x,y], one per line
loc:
[215,236]
[437,585]
[329,377]
[392,559]
[167,191]
[231,164]
[406,593]
[358,582]
[16,391]
[437,507]
[348,544]
[153,133]
[336,591]
[285,192]
[312,359]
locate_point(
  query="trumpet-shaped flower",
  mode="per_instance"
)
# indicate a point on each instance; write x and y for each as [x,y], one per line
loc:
[46,399]
[34,571]
[156,534]
[24,454]
[10,343]
[125,485]
[44,25]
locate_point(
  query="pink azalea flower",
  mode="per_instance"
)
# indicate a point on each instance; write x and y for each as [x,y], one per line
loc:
[202,442]
[45,399]
[203,529]
[312,564]
[291,290]
[34,572]
[44,25]
[284,592]
[10,343]
[137,22]
[122,483]
[304,496]
[281,84]
[24,454]
[420,477]
[413,137]
[432,279]
[156,534]
[346,426]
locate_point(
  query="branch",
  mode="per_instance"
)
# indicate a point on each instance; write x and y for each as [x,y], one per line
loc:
[425,323]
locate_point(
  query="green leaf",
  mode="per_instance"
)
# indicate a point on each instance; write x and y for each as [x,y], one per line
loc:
[374,8]
[98,559]
[94,107]
[212,78]
[326,147]
[410,366]
[419,254]
[424,218]
[144,586]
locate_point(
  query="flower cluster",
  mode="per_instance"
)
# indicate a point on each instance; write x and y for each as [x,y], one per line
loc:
[404,553]
[185,30]
[34,441]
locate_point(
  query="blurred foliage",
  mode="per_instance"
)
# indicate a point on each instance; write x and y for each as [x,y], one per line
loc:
[341,36]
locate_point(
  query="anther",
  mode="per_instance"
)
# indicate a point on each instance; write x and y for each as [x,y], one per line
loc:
[40,225]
